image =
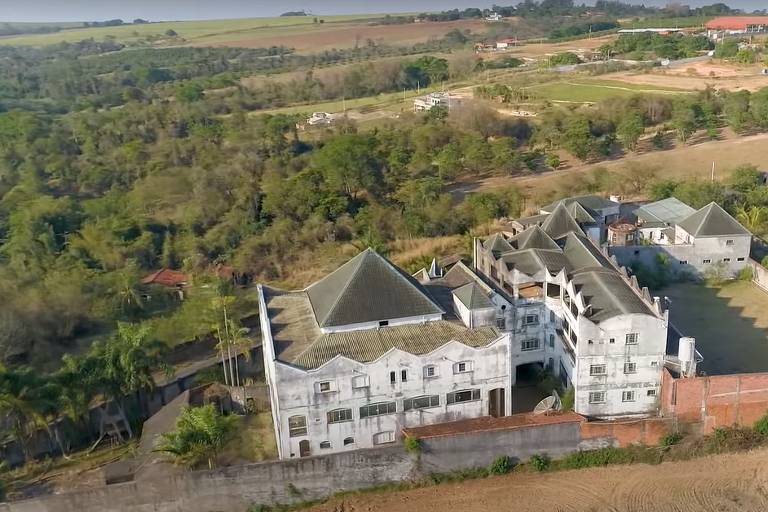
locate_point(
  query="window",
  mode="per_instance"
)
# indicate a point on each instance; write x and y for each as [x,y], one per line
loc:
[325,445]
[430,372]
[348,441]
[726,260]
[627,396]
[377,409]
[531,344]
[421,402]
[661,235]
[654,363]
[597,397]
[632,338]
[739,259]
[683,262]
[590,342]
[462,367]
[404,375]
[630,367]
[651,392]
[384,437]
[392,377]
[339,415]
[729,242]
[552,317]
[501,322]
[383,323]
[597,369]
[360,381]
[297,426]
[325,386]
[551,341]
[707,261]
[530,319]
[612,340]
[466,395]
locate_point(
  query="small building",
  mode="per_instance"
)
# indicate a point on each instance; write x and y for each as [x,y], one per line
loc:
[493,17]
[622,233]
[505,43]
[166,278]
[430,101]
[656,221]
[317,119]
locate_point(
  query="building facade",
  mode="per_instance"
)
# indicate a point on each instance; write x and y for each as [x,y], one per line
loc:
[367,351]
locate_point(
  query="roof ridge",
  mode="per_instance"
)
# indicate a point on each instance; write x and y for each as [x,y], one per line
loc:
[362,255]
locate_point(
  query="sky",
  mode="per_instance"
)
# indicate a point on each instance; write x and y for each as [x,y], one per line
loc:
[156,10]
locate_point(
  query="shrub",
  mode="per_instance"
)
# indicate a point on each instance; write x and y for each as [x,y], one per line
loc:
[764,262]
[540,463]
[412,444]
[671,439]
[761,425]
[745,274]
[567,400]
[501,466]
[733,438]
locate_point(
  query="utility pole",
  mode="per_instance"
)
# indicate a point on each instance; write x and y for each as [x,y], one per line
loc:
[713,171]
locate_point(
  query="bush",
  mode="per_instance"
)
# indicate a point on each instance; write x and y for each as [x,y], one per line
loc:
[671,439]
[567,400]
[745,274]
[412,444]
[761,426]
[764,262]
[733,438]
[540,463]
[500,466]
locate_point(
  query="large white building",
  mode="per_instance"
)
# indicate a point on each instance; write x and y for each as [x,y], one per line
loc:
[577,312]
[367,351]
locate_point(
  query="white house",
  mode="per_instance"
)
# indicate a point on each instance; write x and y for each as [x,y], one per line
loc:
[367,351]
[578,313]
[430,101]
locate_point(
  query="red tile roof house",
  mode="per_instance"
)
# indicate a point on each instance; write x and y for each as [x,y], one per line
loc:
[738,25]
[168,278]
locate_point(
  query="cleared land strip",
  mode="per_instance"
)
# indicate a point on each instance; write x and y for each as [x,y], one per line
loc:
[724,483]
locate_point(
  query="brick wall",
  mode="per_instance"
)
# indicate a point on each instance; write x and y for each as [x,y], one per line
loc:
[715,401]
[624,433]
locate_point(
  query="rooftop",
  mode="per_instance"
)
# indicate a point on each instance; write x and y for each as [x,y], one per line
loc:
[590,202]
[712,220]
[473,296]
[166,277]
[736,22]
[667,211]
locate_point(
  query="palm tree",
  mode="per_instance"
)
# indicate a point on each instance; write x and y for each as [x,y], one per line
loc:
[753,218]
[200,434]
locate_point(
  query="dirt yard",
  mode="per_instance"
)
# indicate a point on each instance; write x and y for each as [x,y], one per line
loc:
[698,75]
[322,37]
[723,483]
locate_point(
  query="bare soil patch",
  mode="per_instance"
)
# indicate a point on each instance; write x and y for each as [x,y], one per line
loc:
[734,482]
[698,75]
[322,37]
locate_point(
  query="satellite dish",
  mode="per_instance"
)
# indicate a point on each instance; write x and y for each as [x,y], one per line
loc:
[550,404]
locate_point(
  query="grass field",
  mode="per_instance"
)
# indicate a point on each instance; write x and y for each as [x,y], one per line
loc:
[682,22]
[730,324]
[590,91]
[191,31]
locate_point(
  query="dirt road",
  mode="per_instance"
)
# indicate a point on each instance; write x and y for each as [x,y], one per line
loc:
[723,483]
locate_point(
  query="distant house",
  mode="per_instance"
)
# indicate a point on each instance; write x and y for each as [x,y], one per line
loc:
[505,43]
[719,27]
[317,119]
[428,102]
[167,278]
[493,17]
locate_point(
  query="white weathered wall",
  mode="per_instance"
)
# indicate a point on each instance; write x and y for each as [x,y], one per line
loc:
[297,396]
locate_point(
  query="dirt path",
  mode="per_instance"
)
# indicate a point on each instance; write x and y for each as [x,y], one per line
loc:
[723,483]
[680,162]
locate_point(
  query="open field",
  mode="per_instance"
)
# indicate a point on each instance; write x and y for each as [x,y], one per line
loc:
[730,324]
[681,162]
[535,50]
[192,31]
[697,75]
[723,483]
[585,90]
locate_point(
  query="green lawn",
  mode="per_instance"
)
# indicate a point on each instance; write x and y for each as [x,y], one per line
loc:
[730,324]
[591,91]
[683,22]
[193,31]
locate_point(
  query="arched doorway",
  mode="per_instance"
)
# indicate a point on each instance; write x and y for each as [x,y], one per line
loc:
[304,450]
[496,402]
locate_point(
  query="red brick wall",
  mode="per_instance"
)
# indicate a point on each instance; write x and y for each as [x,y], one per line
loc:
[715,401]
[646,431]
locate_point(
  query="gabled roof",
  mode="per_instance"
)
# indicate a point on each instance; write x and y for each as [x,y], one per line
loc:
[560,223]
[582,253]
[581,214]
[531,261]
[712,220]
[368,288]
[608,295]
[497,244]
[167,277]
[472,296]
[534,238]
[668,211]
[590,202]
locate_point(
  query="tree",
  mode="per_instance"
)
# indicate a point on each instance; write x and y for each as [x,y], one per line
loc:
[190,92]
[630,129]
[200,434]
[752,218]
[348,163]
[736,109]
[577,138]
[683,119]
[759,107]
